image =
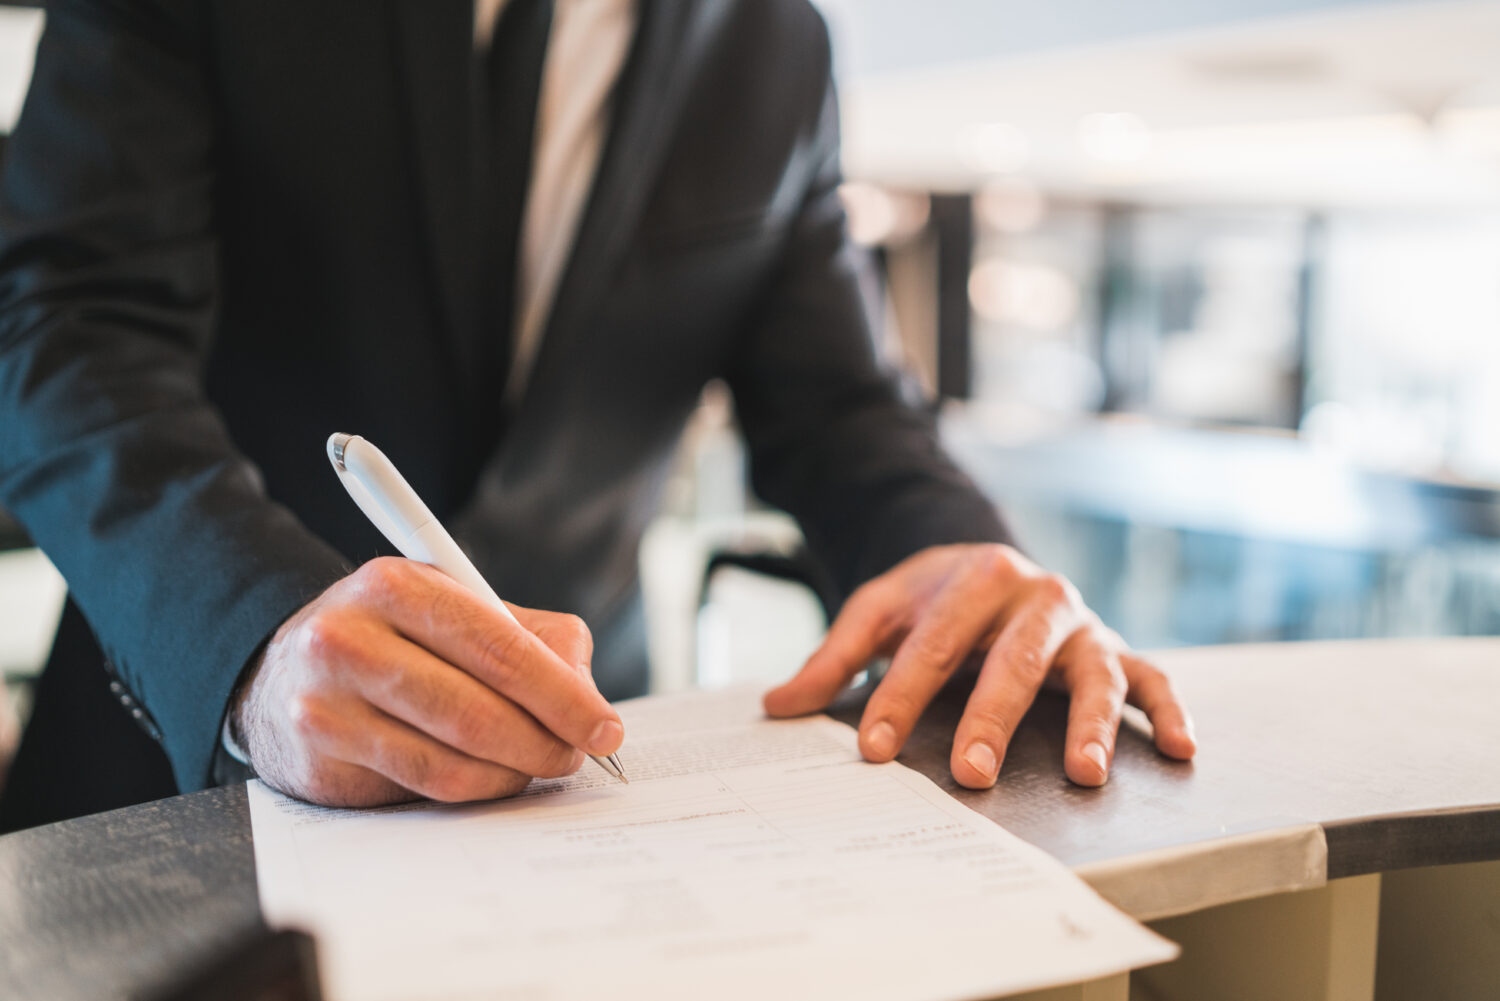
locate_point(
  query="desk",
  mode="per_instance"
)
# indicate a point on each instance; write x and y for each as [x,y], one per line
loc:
[1384,751]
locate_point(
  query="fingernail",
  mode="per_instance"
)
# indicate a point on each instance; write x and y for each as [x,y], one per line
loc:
[981,757]
[881,740]
[1192,740]
[607,738]
[1095,753]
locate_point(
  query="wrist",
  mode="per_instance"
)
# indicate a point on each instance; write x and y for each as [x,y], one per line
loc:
[233,732]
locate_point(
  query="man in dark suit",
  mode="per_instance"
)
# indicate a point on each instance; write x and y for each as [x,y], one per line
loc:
[231,228]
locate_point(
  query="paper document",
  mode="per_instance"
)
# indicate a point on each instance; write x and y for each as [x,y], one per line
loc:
[748,858]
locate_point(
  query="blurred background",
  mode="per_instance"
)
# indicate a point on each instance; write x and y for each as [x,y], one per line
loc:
[1206,294]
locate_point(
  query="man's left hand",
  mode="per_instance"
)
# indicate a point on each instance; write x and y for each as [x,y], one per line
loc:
[935,610]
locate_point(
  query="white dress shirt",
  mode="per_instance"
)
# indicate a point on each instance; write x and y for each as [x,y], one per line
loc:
[585,53]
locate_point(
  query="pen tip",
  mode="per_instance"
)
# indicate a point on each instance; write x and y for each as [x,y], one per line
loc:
[611,764]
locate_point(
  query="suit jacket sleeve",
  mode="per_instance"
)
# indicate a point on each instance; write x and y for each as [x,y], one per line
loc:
[110,455]
[831,439]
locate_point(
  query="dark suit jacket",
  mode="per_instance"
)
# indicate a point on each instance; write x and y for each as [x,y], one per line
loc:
[230,228]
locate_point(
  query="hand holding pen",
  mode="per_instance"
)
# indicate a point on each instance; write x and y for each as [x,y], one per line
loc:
[400,680]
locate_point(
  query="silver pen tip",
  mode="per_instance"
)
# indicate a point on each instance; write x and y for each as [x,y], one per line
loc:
[611,764]
[337,442]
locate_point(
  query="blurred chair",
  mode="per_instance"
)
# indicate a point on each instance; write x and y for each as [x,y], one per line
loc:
[760,614]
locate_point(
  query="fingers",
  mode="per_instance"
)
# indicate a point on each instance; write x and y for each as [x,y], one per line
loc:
[397,681]
[1092,673]
[951,627]
[566,635]
[947,602]
[1151,691]
[362,736]
[409,684]
[458,627]
[864,626]
[1013,671]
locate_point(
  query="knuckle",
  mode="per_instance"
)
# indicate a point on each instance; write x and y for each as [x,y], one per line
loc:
[1113,688]
[997,563]
[558,760]
[1027,663]
[471,723]
[1103,679]
[574,626]
[326,637]
[866,599]
[882,623]
[875,619]
[395,685]
[1018,559]
[450,785]
[934,651]
[418,774]
[307,716]
[578,636]
[1150,675]
[1053,589]
[382,574]
[897,706]
[993,722]
[512,784]
[1095,721]
[500,653]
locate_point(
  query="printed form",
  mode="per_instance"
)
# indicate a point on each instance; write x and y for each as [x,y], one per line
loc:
[748,858]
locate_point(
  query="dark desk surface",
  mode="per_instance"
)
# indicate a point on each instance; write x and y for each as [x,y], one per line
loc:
[1389,746]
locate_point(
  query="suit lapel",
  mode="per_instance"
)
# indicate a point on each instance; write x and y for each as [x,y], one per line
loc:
[434,40]
[671,37]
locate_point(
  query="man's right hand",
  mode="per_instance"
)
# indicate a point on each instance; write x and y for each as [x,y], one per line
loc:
[397,682]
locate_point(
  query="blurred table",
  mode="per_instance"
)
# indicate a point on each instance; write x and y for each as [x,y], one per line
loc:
[1340,760]
[1195,537]
[1232,482]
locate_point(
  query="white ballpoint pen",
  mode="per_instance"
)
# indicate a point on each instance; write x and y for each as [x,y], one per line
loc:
[390,503]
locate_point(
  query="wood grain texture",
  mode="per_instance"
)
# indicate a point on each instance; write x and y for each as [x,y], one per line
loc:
[1390,746]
